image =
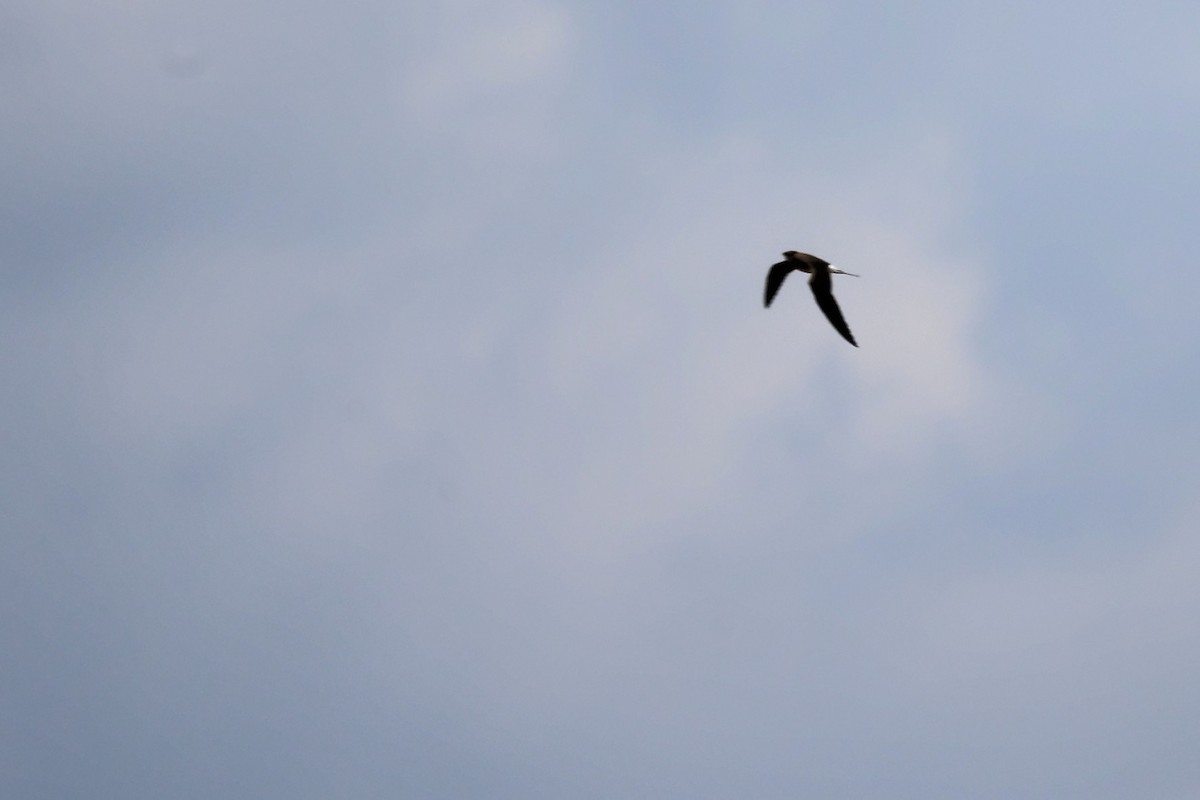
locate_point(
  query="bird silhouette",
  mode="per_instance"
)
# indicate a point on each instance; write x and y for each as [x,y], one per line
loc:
[819,281]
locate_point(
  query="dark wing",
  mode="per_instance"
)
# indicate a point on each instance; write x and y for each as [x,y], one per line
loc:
[775,280]
[828,305]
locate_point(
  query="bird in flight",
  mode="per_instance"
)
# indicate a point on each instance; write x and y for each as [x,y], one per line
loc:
[820,283]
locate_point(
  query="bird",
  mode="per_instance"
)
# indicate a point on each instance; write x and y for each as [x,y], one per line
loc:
[820,283]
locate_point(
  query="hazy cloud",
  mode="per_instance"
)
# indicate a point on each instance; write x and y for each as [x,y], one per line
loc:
[390,409]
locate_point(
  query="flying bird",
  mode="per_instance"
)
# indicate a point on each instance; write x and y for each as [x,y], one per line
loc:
[820,283]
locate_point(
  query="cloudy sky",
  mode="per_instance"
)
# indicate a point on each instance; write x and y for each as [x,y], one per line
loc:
[388,408]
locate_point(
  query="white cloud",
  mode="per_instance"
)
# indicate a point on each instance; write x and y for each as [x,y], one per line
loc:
[670,365]
[469,437]
[485,74]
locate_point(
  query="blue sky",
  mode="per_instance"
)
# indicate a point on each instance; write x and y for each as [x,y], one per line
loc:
[389,409]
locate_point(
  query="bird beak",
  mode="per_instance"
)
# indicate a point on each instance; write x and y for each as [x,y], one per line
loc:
[840,272]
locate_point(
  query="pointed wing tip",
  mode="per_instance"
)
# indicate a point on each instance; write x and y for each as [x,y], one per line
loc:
[775,276]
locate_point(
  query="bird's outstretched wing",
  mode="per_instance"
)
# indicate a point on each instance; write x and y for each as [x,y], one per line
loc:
[774,280]
[827,304]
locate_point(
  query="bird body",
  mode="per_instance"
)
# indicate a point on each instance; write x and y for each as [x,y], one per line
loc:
[820,281]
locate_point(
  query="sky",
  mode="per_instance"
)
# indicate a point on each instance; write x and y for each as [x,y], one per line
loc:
[389,409]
